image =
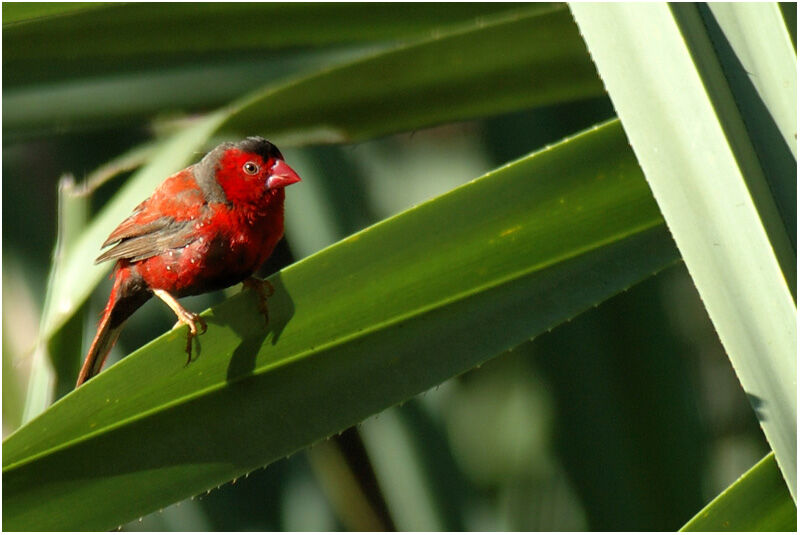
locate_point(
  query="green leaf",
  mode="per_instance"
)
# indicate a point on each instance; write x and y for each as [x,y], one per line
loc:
[757,501]
[355,328]
[760,64]
[703,166]
[627,419]
[126,37]
[457,76]
[330,105]
[136,97]
[72,212]
[15,13]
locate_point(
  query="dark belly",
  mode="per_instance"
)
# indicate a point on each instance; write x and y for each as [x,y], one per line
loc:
[203,266]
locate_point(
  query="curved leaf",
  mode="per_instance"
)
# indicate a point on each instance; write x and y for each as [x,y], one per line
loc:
[136,97]
[116,38]
[358,327]
[522,60]
[139,29]
[15,13]
[757,501]
[447,76]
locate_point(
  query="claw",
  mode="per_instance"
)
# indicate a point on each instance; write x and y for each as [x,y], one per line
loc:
[190,319]
[263,289]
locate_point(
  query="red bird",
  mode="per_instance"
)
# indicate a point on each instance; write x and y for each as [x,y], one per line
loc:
[204,228]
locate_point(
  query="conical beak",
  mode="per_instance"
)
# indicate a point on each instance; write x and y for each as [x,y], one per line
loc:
[281,175]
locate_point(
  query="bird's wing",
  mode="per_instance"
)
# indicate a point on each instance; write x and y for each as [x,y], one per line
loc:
[164,221]
[150,239]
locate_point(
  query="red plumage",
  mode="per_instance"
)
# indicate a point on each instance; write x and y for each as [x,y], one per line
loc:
[204,228]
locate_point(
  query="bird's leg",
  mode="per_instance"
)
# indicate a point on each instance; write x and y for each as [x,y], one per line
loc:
[263,289]
[190,319]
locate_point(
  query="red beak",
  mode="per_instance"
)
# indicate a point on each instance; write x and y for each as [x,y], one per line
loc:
[281,175]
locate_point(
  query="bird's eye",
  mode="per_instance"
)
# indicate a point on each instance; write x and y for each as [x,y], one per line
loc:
[250,168]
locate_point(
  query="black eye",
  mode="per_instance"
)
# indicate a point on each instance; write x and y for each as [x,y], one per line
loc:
[250,168]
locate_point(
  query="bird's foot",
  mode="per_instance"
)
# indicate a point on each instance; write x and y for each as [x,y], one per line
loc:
[263,289]
[191,320]
[185,317]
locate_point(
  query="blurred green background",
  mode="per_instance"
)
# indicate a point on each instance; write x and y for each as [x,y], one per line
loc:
[629,417]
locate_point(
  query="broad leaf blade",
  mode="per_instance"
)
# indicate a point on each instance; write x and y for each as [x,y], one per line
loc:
[454,73]
[81,103]
[701,163]
[456,76]
[120,37]
[757,501]
[358,327]
[15,13]
[760,64]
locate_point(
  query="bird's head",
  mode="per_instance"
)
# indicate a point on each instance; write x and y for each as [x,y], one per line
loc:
[250,171]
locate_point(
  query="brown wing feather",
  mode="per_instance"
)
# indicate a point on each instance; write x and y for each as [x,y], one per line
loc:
[147,232]
[129,227]
[151,239]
